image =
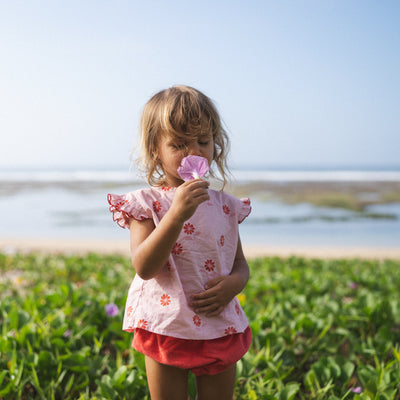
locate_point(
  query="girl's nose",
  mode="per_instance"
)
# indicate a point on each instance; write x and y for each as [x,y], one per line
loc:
[193,149]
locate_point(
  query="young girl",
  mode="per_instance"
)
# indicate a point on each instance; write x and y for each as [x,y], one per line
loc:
[186,252]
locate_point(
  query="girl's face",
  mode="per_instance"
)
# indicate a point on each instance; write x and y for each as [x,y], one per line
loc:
[171,150]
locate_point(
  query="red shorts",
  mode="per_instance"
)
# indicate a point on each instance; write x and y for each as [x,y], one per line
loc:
[202,357]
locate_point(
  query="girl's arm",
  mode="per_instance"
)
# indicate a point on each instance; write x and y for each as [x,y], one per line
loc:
[221,290]
[151,245]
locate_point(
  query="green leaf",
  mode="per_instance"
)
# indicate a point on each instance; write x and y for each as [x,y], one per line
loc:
[2,376]
[5,391]
[18,377]
[289,391]
[120,375]
[75,362]
[32,359]
[106,389]
[69,383]
[139,361]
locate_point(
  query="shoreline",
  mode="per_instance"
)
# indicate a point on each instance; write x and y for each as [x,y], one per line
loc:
[121,247]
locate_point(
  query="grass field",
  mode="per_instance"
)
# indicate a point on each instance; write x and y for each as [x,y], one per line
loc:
[322,329]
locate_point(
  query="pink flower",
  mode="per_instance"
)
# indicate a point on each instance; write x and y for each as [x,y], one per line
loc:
[193,167]
[157,206]
[226,209]
[209,265]
[353,285]
[357,389]
[142,324]
[188,228]
[111,309]
[177,249]
[165,300]
[230,330]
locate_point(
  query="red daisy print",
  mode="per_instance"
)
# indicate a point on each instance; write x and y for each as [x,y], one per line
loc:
[166,188]
[209,265]
[230,330]
[237,308]
[142,324]
[177,249]
[197,320]
[222,240]
[157,206]
[129,311]
[119,204]
[188,228]
[226,209]
[165,300]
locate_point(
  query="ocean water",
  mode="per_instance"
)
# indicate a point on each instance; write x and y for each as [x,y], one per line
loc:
[73,204]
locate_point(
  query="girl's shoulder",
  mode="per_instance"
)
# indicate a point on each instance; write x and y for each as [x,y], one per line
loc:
[230,204]
[223,196]
[138,204]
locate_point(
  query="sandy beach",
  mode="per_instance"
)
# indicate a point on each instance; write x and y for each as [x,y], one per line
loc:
[316,218]
[84,246]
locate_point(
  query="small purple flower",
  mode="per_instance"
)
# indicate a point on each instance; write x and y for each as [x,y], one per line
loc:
[193,167]
[353,285]
[357,389]
[111,309]
[67,333]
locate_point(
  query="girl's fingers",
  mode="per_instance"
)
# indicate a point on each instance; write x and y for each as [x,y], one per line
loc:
[197,184]
[188,197]
[206,305]
[202,302]
[212,309]
[194,189]
[207,294]
[199,192]
[216,312]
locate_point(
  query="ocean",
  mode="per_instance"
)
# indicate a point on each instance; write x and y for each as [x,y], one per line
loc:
[73,204]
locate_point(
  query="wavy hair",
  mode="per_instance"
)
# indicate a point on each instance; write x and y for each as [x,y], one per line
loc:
[184,113]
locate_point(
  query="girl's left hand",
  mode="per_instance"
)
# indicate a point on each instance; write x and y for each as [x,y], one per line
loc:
[218,294]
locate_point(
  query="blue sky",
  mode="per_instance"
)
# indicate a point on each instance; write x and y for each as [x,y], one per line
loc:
[301,83]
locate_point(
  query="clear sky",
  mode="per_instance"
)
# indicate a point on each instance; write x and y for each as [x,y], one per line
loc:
[297,82]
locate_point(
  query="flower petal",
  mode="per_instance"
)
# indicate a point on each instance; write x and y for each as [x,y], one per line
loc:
[193,167]
[111,309]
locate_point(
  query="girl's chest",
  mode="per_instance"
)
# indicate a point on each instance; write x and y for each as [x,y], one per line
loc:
[210,216]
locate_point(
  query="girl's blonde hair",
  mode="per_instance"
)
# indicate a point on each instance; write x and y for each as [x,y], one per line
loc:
[184,113]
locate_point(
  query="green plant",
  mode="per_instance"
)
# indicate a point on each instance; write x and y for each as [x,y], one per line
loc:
[322,329]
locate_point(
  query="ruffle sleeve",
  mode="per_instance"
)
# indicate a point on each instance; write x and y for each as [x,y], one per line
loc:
[244,209]
[126,206]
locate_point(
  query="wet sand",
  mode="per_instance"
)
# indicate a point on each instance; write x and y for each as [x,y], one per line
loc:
[85,246]
[354,196]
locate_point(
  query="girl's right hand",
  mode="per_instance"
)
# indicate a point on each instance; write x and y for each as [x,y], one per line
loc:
[188,197]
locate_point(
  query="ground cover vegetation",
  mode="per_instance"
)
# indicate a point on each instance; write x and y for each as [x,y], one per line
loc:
[322,329]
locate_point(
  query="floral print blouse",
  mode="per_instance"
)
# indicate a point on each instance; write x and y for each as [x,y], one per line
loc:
[205,249]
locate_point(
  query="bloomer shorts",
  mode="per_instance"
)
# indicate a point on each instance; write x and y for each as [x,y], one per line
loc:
[202,357]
